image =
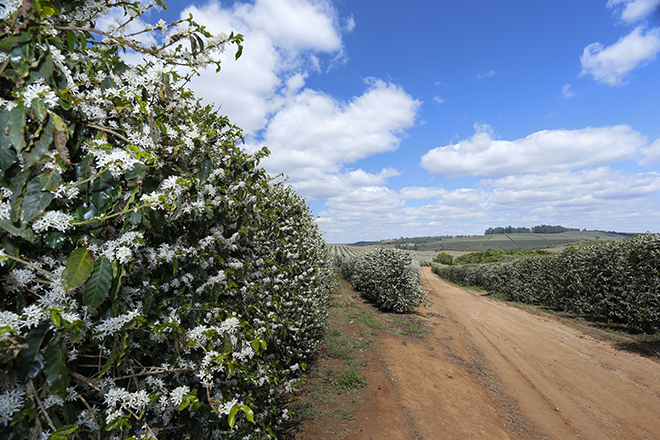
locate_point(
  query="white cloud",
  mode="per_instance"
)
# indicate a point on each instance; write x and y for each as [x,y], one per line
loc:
[634,10]
[595,188]
[360,203]
[486,75]
[612,64]
[422,193]
[651,154]
[566,91]
[439,99]
[314,134]
[543,151]
[350,24]
[283,39]
[321,186]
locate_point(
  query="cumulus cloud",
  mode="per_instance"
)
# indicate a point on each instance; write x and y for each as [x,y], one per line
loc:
[422,193]
[543,151]
[651,154]
[439,99]
[332,185]
[634,10]
[366,201]
[284,40]
[572,189]
[612,64]
[315,134]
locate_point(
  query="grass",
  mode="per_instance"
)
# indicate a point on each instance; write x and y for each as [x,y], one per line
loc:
[335,382]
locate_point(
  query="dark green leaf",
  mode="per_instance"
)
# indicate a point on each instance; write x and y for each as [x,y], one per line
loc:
[70,40]
[54,239]
[134,175]
[6,45]
[29,362]
[40,146]
[135,218]
[79,267]
[16,125]
[104,191]
[38,109]
[205,171]
[64,431]
[50,181]
[23,231]
[21,57]
[7,154]
[99,283]
[110,360]
[18,184]
[107,83]
[57,375]
[35,200]
[44,68]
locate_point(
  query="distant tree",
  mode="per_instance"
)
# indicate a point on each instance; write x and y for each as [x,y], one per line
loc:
[444,258]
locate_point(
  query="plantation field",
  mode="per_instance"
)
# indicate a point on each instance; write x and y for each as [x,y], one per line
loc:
[504,242]
[341,251]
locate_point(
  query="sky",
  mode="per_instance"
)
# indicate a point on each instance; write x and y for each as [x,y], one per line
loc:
[404,119]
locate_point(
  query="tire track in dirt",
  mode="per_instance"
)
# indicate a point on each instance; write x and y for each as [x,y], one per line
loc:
[543,378]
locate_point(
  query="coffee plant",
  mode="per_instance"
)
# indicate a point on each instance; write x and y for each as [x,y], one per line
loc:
[387,276]
[156,282]
[617,280]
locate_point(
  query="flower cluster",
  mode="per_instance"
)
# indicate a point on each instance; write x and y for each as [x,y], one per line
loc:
[159,284]
[388,277]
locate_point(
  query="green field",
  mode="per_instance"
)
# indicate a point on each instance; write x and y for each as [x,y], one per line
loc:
[500,242]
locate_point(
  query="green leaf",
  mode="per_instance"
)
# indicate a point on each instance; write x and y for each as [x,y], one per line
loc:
[54,239]
[7,154]
[97,287]
[134,175]
[63,432]
[44,69]
[50,181]
[57,374]
[205,171]
[79,267]
[38,109]
[41,145]
[104,190]
[249,414]
[35,200]
[23,231]
[29,362]
[16,125]
[110,360]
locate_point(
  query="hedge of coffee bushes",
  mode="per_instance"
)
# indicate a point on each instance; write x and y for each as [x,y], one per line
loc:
[156,282]
[387,276]
[618,280]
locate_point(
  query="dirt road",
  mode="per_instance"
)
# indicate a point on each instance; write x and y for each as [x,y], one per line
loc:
[490,371]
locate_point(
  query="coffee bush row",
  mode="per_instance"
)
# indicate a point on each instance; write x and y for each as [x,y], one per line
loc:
[616,280]
[156,282]
[387,276]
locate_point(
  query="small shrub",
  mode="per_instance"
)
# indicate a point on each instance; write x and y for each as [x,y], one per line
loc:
[386,276]
[444,258]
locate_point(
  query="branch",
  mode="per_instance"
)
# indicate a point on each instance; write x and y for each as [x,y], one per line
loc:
[37,268]
[106,130]
[32,392]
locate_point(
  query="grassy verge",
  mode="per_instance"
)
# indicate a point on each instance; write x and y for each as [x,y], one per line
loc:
[329,401]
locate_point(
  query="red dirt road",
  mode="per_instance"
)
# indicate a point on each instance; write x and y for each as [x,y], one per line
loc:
[491,371]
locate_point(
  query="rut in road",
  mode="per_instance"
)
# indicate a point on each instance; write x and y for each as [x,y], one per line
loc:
[492,371]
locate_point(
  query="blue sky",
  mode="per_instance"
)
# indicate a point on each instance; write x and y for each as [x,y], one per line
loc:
[430,118]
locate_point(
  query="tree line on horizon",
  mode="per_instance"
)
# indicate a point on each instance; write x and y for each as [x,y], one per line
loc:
[542,229]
